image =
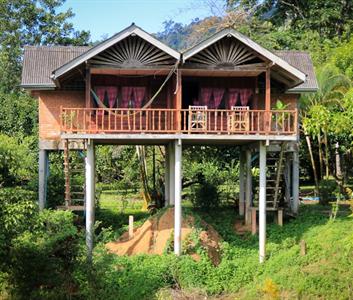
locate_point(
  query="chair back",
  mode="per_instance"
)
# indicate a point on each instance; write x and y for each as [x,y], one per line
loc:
[240,108]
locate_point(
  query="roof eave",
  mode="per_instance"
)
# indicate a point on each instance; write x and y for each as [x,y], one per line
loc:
[40,87]
[301,90]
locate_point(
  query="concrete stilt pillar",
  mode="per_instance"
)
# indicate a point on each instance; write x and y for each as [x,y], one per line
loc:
[166,176]
[90,197]
[43,171]
[241,183]
[171,150]
[287,177]
[295,183]
[262,204]
[177,196]
[248,187]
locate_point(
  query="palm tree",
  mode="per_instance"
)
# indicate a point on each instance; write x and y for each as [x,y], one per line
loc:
[317,112]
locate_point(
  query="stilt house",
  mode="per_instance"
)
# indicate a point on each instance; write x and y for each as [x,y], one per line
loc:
[133,89]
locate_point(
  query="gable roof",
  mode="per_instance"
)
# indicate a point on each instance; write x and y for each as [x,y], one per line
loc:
[131,30]
[40,61]
[298,76]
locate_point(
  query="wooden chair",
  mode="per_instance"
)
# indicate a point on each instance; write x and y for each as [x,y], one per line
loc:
[238,119]
[197,118]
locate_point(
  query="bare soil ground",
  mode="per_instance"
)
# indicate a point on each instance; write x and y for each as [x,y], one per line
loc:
[156,233]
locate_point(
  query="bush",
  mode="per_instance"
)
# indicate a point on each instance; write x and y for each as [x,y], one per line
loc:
[43,260]
[17,211]
[16,161]
[327,190]
[205,196]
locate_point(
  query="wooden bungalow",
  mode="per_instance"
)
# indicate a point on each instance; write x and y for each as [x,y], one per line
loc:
[133,89]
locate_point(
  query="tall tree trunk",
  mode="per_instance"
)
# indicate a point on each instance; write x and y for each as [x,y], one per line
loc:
[319,142]
[338,162]
[326,154]
[308,141]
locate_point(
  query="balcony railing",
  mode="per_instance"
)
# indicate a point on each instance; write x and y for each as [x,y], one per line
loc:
[186,121]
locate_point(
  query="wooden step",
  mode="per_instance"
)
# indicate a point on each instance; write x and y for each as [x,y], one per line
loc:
[71,207]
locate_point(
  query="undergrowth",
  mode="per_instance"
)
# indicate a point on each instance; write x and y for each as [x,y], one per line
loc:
[326,271]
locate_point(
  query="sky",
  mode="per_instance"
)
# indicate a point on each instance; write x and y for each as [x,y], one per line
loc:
[107,17]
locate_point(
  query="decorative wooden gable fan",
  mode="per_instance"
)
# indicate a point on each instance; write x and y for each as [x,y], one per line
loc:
[226,53]
[133,52]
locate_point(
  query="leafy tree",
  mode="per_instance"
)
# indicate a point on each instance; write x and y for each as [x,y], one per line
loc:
[16,161]
[31,22]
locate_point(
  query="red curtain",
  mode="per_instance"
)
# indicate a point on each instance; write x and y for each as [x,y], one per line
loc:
[245,95]
[112,95]
[217,97]
[233,97]
[139,93]
[206,94]
[126,96]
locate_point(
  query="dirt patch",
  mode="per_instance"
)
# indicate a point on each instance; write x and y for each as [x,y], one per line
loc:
[155,234]
[152,237]
[241,228]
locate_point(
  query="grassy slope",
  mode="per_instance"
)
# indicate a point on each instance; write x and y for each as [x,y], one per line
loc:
[326,271]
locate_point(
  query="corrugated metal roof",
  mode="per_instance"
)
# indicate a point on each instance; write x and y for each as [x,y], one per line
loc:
[40,61]
[302,61]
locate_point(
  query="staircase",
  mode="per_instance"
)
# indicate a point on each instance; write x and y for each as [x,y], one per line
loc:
[74,171]
[274,179]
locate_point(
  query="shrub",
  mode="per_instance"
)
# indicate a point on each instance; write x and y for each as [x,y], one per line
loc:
[205,196]
[43,260]
[16,161]
[327,190]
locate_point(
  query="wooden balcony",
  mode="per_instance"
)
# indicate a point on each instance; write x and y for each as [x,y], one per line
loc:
[184,121]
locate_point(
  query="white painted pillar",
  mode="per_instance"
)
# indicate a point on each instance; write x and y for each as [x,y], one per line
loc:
[90,196]
[171,150]
[295,182]
[166,176]
[241,184]
[262,204]
[43,171]
[177,196]
[248,187]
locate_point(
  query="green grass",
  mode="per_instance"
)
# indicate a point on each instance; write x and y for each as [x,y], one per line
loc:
[325,272]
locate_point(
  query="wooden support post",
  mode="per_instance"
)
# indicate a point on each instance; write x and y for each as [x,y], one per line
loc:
[171,150]
[268,99]
[253,221]
[248,187]
[302,248]
[178,99]
[295,182]
[131,227]
[241,183]
[177,193]
[43,178]
[262,204]
[88,88]
[90,197]
[280,217]
[166,175]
